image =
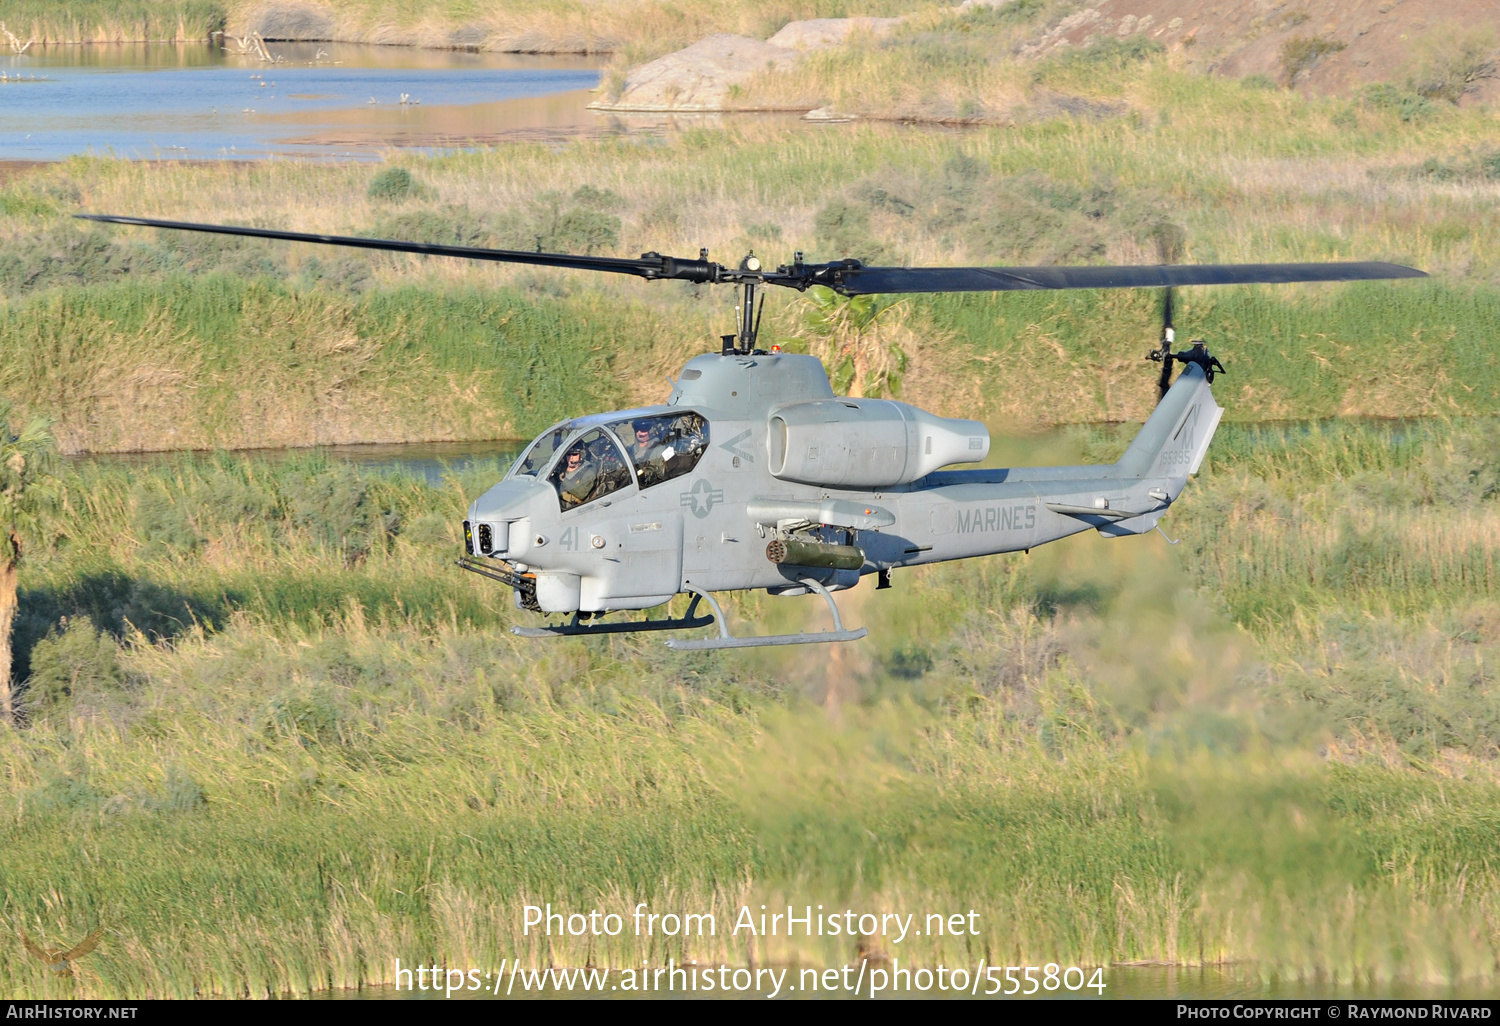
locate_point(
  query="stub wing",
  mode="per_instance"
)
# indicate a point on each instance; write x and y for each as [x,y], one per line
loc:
[856,516]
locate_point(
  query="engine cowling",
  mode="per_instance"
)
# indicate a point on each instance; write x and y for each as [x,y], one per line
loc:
[868,443]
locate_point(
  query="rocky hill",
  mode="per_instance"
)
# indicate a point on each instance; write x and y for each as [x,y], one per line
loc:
[1321,46]
[1446,49]
[991,56]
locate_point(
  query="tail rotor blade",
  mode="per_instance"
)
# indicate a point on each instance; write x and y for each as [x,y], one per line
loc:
[1167,337]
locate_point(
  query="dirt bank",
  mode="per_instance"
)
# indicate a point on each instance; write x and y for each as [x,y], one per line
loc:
[1326,47]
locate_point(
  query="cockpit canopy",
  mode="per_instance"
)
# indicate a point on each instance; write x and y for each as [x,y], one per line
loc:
[539,454]
[597,459]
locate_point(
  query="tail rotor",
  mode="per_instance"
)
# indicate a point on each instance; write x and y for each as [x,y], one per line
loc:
[1197,352]
[1163,355]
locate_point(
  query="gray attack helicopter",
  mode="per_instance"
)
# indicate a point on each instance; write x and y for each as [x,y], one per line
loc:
[753,474]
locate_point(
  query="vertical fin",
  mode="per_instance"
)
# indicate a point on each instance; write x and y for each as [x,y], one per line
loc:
[1175,439]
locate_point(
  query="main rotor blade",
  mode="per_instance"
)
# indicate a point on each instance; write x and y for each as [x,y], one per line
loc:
[649,265]
[845,277]
[868,280]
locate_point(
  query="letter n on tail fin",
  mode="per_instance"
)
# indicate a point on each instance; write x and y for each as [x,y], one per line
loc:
[1175,439]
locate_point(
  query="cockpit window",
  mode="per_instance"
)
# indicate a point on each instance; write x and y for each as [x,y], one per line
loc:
[590,469]
[539,456]
[663,447]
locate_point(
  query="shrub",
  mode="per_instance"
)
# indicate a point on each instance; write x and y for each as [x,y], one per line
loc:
[765,231]
[1408,106]
[555,222]
[1030,217]
[443,226]
[1483,166]
[1465,469]
[577,223]
[335,507]
[911,661]
[844,229]
[180,793]
[599,199]
[394,184]
[74,660]
[1166,235]
[59,790]
[1448,59]
[580,229]
[305,717]
[1017,227]
[62,255]
[162,523]
[1014,13]
[1109,52]
[344,274]
[1302,53]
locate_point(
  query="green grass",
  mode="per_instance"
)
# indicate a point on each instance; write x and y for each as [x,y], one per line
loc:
[107,21]
[305,745]
[394,365]
[410,349]
[310,890]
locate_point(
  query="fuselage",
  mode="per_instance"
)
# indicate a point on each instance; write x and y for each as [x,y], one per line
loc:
[704,523]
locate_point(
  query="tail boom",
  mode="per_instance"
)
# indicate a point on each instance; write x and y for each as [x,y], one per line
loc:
[956,514]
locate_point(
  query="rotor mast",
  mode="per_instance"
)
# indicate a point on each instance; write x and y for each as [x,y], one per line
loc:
[747,317]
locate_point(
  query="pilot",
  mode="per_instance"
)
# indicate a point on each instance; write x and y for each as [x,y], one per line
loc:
[644,447]
[690,427]
[646,453]
[575,483]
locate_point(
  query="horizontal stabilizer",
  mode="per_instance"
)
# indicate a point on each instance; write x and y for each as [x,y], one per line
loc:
[1089,511]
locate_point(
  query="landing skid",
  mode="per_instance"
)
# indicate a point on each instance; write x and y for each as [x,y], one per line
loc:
[726,640]
[575,628]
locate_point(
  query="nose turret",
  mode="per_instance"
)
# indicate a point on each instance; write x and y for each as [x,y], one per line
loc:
[500,521]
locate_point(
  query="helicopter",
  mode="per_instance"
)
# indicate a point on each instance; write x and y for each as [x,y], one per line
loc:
[754,474]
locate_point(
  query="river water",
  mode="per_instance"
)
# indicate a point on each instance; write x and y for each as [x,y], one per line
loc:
[322,100]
